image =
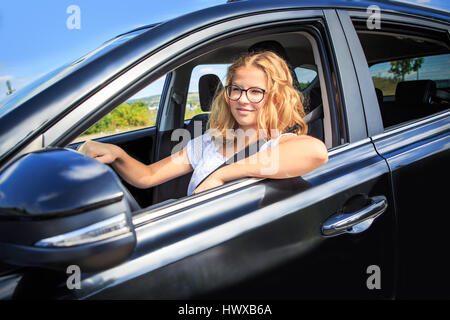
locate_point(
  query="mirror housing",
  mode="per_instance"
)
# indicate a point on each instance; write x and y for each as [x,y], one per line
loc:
[60,208]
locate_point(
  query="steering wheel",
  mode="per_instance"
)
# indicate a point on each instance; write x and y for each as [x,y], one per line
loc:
[134,205]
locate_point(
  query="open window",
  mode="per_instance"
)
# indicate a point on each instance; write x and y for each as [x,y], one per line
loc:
[309,78]
[200,84]
[138,112]
[183,94]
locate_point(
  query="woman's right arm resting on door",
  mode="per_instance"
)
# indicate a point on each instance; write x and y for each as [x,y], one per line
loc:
[134,172]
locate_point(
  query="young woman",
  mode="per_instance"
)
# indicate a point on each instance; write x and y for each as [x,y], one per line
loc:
[257,102]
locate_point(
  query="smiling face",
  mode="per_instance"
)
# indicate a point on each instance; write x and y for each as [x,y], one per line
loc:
[244,111]
[280,108]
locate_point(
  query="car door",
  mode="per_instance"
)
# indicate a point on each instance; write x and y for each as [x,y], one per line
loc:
[328,234]
[415,145]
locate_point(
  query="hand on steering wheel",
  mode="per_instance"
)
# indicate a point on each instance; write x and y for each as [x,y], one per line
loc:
[102,152]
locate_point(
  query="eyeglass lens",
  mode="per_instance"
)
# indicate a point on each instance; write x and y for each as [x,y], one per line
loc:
[253,94]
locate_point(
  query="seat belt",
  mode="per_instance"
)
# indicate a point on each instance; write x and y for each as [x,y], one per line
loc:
[244,153]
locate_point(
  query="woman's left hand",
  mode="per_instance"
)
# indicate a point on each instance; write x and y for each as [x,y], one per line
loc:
[212,181]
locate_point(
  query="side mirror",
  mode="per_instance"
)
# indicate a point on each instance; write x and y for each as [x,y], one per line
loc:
[60,208]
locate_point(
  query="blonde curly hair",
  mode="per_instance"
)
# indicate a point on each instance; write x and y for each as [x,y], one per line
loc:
[283,108]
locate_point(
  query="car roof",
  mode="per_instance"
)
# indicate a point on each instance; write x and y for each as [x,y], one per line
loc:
[399,6]
[64,94]
[387,5]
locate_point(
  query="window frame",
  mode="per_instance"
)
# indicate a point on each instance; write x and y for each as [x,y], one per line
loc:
[166,60]
[337,129]
[150,215]
[130,82]
[312,81]
[190,79]
[412,57]
[133,130]
[370,102]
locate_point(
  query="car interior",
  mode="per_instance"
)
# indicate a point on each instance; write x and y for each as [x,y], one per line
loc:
[151,145]
[413,98]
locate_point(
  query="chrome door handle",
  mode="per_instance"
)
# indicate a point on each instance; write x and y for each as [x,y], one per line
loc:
[355,222]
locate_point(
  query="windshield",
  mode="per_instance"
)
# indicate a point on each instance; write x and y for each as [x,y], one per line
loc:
[17,98]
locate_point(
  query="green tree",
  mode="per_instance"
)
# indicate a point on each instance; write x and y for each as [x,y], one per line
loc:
[400,68]
[125,116]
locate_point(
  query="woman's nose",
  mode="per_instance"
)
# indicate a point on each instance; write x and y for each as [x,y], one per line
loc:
[243,98]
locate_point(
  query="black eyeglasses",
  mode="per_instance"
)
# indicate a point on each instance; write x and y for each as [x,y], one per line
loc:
[254,94]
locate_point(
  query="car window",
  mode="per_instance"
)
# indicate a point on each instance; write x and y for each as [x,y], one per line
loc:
[387,75]
[138,112]
[411,74]
[305,76]
[193,100]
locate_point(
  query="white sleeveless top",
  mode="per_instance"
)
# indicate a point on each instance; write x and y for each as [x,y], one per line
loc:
[204,158]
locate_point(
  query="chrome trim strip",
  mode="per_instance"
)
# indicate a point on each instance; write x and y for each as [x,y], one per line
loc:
[413,125]
[388,15]
[347,146]
[113,227]
[162,212]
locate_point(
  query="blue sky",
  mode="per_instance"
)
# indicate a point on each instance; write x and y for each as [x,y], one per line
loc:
[36,40]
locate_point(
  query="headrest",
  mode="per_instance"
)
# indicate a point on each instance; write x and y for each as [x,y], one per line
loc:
[379,96]
[414,92]
[277,48]
[270,45]
[208,85]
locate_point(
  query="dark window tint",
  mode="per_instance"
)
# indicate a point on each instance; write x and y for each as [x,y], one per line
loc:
[411,74]
[387,75]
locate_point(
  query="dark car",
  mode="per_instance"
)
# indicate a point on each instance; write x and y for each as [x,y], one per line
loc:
[370,223]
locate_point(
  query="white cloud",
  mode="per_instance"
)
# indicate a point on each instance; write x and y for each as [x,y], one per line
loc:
[4,78]
[84,172]
[207,71]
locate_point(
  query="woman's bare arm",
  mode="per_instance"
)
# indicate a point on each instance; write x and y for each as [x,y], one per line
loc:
[293,156]
[134,172]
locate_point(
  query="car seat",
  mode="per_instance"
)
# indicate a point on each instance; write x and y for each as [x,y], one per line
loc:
[208,86]
[413,100]
[311,98]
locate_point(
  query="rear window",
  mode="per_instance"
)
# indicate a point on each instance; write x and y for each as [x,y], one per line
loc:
[386,75]
[305,76]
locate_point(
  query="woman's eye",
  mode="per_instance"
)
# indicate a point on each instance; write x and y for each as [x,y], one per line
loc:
[236,90]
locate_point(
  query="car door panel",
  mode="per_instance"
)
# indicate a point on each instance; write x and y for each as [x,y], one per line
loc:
[417,153]
[263,240]
[418,156]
